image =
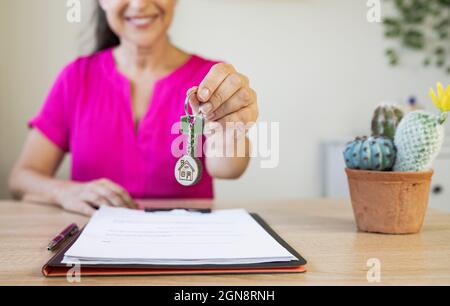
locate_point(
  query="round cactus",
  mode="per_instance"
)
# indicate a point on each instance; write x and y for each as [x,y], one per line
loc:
[385,120]
[418,140]
[370,153]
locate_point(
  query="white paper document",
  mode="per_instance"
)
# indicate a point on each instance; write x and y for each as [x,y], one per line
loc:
[224,237]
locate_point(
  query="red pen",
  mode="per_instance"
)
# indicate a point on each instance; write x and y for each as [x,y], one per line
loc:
[64,235]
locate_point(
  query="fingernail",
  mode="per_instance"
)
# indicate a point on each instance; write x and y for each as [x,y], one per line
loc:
[204,94]
[191,90]
[207,108]
[211,116]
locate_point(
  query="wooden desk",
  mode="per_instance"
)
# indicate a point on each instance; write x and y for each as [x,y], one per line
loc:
[323,231]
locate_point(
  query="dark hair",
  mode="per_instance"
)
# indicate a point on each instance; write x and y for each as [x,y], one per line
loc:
[105,38]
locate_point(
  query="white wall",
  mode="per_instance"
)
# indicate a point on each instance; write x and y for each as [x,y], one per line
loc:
[37,42]
[317,65]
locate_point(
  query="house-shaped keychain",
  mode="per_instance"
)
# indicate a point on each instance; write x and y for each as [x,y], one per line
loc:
[186,171]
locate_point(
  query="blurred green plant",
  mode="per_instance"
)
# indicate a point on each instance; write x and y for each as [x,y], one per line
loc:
[420,25]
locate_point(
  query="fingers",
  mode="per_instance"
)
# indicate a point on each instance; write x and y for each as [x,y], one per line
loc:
[86,209]
[84,198]
[104,192]
[212,81]
[119,195]
[243,98]
[82,208]
[193,101]
[225,96]
[230,86]
[245,115]
[95,198]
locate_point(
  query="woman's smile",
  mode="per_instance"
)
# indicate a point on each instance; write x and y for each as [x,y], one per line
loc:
[142,22]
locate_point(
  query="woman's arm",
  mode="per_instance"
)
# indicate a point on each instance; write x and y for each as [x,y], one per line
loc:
[33,173]
[32,178]
[230,105]
[228,159]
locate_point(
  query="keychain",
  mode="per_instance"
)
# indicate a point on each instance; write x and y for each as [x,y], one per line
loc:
[188,170]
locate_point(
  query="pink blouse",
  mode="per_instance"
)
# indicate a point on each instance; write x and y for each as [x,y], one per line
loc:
[88,113]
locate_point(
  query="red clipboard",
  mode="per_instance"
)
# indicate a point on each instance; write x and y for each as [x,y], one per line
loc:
[55,268]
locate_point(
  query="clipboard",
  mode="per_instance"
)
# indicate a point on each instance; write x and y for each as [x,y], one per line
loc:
[55,268]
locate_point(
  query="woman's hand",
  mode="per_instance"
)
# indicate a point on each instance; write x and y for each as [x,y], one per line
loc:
[85,198]
[229,104]
[225,96]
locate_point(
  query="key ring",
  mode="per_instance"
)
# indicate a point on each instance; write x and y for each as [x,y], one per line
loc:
[188,98]
[188,170]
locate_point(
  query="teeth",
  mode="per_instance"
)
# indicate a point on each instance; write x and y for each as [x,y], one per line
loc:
[141,21]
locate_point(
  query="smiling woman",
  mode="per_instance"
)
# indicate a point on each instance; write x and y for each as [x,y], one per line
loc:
[113,111]
[136,22]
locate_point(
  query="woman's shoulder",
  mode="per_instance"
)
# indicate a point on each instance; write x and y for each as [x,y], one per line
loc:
[86,64]
[203,61]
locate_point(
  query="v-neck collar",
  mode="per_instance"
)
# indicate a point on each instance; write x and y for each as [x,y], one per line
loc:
[124,85]
[112,70]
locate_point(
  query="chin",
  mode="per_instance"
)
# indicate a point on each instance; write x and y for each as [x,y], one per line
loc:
[144,41]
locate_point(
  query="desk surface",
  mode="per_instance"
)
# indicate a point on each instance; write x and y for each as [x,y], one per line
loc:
[323,231]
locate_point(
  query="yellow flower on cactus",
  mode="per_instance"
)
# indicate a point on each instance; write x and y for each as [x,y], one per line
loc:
[442,99]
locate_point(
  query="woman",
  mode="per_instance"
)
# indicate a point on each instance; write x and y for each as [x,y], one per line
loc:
[113,111]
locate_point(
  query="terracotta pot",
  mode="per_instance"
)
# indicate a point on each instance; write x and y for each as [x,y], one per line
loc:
[389,202]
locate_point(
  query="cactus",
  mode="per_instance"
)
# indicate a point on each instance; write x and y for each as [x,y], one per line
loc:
[420,135]
[373,153]
[385,120]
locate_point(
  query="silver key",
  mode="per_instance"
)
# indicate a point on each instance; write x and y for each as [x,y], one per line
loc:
[188,170]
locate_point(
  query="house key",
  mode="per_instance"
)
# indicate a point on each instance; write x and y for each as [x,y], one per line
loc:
[188,170]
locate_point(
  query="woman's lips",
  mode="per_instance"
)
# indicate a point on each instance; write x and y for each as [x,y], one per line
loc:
[141,22]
